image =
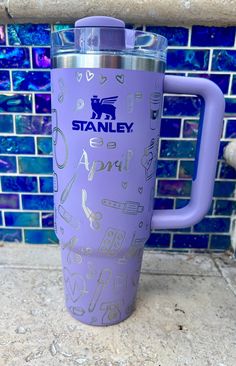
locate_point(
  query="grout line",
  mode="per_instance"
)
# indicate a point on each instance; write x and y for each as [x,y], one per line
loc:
[230,85]
[189,36]
[210,61]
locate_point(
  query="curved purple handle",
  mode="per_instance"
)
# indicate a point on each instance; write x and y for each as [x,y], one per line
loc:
[203,184]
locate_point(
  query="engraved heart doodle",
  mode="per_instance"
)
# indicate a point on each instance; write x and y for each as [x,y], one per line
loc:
[89,75]
[79,76]
[140,190]
[75,285]
[103,79]
[120,78]
[124,184]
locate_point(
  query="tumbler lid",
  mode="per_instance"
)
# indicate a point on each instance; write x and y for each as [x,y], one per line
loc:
[100,21]
[96,27]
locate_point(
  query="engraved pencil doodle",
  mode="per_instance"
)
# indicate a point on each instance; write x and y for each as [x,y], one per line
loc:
[75,285]
[112,242]
[102,282]
[73,255]
[55,182]
[127,207]
[155,104]
[77,310]
[72,221]
[103,79]
[112,313]
[89,75]
[120,281]
[56,134]
[60,97]
[66,191]
[93,217]
[96,142]
[120,78]
[149,159]
[135,249]
[79,104]
[79,76]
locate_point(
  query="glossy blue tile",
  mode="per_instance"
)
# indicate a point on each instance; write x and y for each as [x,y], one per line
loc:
[33,125]
[0,218]
[166,168]
[178,149]
[29,34]
[181,202]
[42,236]
[170,127]
[225,207]
[174,187]
[11,235]
[14,58]
[210,224]
[16,145]
[176,36]
[224,189]
[46,184]
[19,184]
[37,202]
[192,241]
[212,36]
[227,172]
[230,107]
[220,242]
[181,106]
[6,123]
[15,103]
[163,203]
[47,219]
[59,27]
[2,35]
[44,145]
[31,80]
[158,240]
[27,219]
[9,200]
[187,59]
[190,128]
[33,165]
[186,169]
[41,58]
[43,103]
[224,60]
[230,131]
[7,164]
[222,80]
[5,80]
[233,90]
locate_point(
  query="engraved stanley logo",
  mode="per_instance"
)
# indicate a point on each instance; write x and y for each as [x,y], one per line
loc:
[103,108]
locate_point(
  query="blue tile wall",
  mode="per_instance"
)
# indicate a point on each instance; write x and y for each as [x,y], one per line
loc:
[26,196]
[6,123]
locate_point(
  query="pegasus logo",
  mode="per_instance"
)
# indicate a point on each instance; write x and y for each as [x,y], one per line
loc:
[103,106]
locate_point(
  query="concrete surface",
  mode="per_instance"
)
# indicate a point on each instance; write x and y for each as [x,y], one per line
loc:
[185,314]
[166,12]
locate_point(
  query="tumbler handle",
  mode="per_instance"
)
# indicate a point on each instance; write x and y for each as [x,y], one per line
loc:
[208,142]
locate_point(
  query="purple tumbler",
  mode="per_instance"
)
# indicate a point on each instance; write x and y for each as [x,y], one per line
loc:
[108,85]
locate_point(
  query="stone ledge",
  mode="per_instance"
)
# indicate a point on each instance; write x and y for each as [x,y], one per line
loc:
[161,12]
